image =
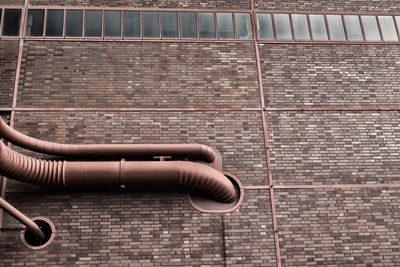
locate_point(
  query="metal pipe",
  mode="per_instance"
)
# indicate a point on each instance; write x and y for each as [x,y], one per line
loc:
[192,151]
[115,174]
[19,216]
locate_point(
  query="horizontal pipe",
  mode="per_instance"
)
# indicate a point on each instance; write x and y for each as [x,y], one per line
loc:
[113,174]
[195,151]
[19,216]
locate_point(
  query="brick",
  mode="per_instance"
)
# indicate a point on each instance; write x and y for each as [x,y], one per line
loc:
[8,64]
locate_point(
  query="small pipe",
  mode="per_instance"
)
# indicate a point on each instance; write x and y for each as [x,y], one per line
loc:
[115,174]
[19,216]
[196,151]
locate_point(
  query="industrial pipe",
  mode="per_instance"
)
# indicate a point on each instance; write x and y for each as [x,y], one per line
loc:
[19,216]
[193,151]
[127,174]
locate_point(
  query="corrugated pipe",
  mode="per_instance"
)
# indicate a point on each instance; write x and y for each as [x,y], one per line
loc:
[192,151]
[116,174]
[19,216]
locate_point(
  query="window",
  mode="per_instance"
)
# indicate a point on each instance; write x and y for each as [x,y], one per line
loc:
[264,25]
[132,24]
[282,27]
[35,22]
[370,28]
[74,23]
[388,28]
[353,28]
[169,22]
[11,23]
[206,25]
[336,29]
[188,24]
[243,26]
[93,23]
[112,23]
[300,27]
[225,25]
[54,23]
[318,28]
[150,25]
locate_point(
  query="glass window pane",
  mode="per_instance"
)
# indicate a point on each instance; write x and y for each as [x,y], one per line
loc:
[318,27]
[353,28]
[188,25]
[55,22]
[112,23]
[264,26]
[225,25]
[336,29]
[397,18]
[206,25]
[35,22]
[388,28]
[93,23]
[371,29]
[282,27]
[243,26]
[150,25]
[169,22]
[12,19]
[300,27]
[131,23]
[73,25]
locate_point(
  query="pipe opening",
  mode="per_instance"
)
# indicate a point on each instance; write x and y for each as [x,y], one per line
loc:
[29,239]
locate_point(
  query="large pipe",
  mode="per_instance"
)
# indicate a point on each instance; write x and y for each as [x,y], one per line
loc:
[194,151]
[19,216]
[127,174]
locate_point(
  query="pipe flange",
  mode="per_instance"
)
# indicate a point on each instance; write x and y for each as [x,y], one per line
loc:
[48,229]
[203,203]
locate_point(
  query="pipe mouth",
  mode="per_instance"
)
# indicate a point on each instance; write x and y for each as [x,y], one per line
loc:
[203,203]
[29,240]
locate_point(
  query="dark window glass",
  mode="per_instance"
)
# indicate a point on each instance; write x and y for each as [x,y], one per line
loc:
[188,25]
[93,23]
[282,27]
[225,25]
[336,29]
[318,27]
[35,22]
[388,28]
[11,23]
[112,23]
[74,23]
[300,27]
[243,26]
[131,23]
[264,26]
[353,28]
[371,29]
[169,22]
[150,25]
[55,21]
[206,25]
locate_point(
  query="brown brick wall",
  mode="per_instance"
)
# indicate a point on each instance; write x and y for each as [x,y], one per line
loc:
[341,5]
[142,229]
[12,2]
[338,227]
[331,148]
[149,3]
[76,74]
[8,64]
[330,75]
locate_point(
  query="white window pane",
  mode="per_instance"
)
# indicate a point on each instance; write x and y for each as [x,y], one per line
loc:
[353,28]
[336,29]
[300,27]
[370,28]
[388,28]
[282,27]
[243,26]
[318,27]
[264,25]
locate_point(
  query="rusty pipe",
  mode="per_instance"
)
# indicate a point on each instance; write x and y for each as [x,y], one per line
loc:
[22,218]
[17,166]
[196,151]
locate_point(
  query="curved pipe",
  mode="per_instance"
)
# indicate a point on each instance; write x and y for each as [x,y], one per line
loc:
[197,151]
[27,169]
[19,216]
